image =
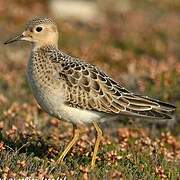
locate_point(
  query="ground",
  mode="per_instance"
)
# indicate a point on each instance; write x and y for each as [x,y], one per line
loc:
[140,49]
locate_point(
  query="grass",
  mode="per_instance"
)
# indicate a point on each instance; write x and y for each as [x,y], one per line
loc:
[134,155]
[131,47]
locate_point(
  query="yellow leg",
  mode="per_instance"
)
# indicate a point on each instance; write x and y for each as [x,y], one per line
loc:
[71,143]
[98,139]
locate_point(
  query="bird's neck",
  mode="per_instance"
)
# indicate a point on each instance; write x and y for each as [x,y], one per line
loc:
[36,46]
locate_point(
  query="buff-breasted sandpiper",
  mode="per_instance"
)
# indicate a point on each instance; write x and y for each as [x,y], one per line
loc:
[72,90]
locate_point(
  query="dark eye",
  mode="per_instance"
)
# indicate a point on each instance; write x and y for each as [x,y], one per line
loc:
[39,29]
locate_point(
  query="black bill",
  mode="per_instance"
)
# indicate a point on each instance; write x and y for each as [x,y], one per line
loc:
[13,39]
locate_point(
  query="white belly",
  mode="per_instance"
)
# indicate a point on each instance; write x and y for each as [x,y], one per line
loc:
[76,115]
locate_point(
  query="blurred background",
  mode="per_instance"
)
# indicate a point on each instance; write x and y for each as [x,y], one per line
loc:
[137,42]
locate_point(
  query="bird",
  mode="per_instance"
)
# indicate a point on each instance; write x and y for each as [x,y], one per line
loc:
[70,89]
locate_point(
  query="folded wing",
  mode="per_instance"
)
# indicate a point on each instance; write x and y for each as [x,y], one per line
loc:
[87,87]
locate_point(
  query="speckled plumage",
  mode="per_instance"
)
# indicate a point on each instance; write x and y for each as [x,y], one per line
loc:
[39,20]
[70,89]
[85,87]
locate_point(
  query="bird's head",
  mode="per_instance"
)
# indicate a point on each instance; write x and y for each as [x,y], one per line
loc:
[40,31]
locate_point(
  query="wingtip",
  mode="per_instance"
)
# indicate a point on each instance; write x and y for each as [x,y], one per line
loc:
[164,106]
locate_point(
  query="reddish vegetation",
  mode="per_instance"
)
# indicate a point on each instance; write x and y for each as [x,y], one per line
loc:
[139,48]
